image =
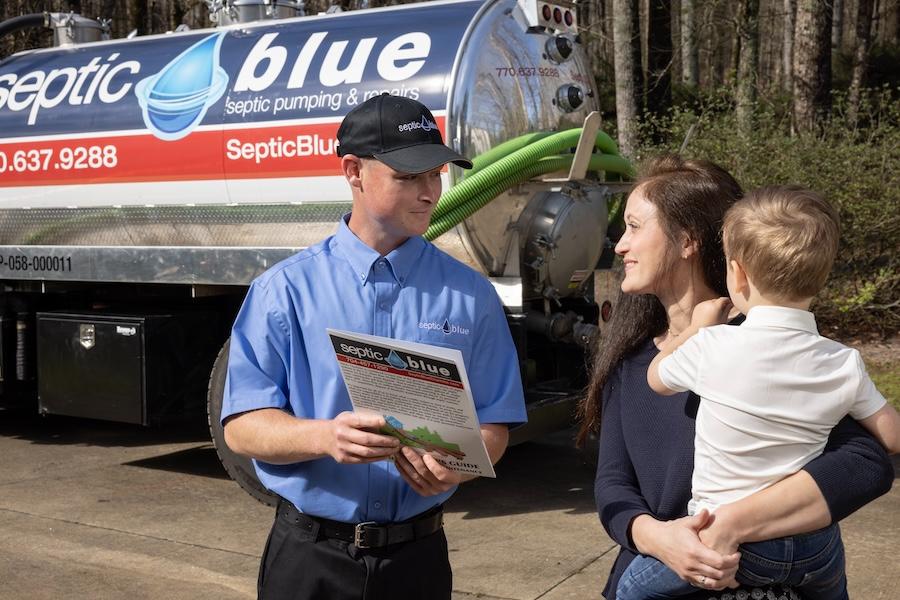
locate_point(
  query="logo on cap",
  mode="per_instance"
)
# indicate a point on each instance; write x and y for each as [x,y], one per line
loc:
[424,125]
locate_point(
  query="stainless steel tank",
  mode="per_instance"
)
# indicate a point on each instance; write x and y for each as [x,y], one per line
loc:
[204,156]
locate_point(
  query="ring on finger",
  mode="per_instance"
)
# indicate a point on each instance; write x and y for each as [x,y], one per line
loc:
[702,580]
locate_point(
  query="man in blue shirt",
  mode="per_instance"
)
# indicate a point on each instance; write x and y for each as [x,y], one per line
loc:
[361,516]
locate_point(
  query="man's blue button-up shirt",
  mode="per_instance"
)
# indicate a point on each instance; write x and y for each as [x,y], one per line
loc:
[281,356]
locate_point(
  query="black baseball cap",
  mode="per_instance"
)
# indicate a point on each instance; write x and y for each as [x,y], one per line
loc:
[400,132]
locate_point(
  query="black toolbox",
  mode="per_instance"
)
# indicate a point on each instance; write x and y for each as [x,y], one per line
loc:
[145,368]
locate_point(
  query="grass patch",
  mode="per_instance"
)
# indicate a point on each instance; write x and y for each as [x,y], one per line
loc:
[887,380]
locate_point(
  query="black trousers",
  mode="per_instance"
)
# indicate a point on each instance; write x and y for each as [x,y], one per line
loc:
[302,565]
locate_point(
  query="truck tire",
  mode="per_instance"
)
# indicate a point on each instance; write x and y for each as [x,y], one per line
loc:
[238,467]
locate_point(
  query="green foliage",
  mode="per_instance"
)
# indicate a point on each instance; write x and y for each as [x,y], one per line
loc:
[856,166]
[887,380]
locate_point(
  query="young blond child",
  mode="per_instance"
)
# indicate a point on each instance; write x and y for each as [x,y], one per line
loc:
[771,389]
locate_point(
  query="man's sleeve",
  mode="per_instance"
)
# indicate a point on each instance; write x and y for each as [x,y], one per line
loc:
[868,399]
[259,357]
[679,371]
[494,367]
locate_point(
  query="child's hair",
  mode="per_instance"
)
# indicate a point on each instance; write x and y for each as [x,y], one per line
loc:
[786,239]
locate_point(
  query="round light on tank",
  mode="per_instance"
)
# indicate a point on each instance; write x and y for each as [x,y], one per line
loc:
[569,19]
[559,48]
[547,12]
[569,97]
[557,15]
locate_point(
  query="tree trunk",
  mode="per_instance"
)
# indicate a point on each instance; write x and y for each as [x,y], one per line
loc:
[659,56]
[860,57]
[748,31]
[626,39]
[770,44]
[787,56]
[890,30]
[734,55]
[690,57]
[812,65]
[837,26]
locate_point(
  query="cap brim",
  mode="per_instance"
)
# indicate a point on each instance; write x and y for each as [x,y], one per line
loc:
[421,158]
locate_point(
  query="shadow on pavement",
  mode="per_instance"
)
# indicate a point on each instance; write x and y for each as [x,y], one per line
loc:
[202,462]
[54,429]
[535,476]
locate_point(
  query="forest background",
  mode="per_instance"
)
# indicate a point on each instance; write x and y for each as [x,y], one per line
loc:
[776,91]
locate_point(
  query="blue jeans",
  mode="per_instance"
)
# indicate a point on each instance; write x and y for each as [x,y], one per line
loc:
[812,563]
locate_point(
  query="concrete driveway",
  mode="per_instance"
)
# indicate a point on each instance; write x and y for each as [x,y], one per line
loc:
[96,510]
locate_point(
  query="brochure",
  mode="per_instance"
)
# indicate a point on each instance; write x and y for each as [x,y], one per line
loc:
[422,392]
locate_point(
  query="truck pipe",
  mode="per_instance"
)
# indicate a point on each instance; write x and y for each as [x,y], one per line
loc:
[29,21]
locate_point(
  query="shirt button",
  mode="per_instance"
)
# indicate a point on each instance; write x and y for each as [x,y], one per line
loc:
[377,505]
[383,306]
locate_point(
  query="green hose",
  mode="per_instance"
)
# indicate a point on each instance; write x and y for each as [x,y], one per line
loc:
[501,150]
[541,144]
[464,209]
[503,168]
[602,142]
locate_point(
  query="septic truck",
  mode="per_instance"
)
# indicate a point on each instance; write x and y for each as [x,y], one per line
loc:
[145,182]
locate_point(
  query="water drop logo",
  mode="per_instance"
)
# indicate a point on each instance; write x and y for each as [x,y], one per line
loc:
[446,326]
[427,125]
[395,361]
[175,100]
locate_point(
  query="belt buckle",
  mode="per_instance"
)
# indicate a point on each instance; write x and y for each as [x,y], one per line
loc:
[360,538]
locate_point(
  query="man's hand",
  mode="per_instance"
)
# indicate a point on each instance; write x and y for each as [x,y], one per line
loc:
[424,474]
[353,439]
[711,312]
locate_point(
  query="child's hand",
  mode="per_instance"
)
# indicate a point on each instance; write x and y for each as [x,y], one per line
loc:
[711,312]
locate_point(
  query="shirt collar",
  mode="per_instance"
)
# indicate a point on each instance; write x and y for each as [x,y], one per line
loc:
[781,316]
[361,257]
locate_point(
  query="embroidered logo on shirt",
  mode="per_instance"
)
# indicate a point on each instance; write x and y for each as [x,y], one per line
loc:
[447,327]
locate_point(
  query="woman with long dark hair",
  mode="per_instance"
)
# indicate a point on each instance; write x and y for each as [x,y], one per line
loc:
[673,260]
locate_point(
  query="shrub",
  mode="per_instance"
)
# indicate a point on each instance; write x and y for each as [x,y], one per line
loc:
[856,166]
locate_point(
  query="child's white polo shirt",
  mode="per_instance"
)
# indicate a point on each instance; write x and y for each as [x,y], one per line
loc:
[771,389]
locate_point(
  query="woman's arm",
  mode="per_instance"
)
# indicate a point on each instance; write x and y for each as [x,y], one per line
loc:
[852,471]
[627,518]
[616,491]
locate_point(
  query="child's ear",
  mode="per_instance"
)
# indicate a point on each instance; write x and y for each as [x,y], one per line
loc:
[741,281]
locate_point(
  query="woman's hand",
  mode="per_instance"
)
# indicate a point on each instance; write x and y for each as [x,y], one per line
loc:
[677,544]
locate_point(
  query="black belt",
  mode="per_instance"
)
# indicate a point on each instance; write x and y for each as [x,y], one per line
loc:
[369,534]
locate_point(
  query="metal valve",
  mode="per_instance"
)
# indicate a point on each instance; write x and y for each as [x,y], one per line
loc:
[559,48]
[569,97]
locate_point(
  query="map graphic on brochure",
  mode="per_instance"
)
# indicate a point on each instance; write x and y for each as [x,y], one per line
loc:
[423,393]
